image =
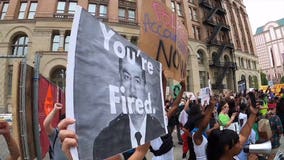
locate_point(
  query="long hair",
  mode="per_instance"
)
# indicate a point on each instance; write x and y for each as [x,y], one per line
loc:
[218,140]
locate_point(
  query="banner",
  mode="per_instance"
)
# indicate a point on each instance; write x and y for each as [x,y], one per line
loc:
[164,37]
[50,91]
[114,91]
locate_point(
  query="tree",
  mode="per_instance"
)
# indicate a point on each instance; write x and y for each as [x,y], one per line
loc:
[282,80]
[264,81]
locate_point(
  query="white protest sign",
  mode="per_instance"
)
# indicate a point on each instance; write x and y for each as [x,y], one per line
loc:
[114,91]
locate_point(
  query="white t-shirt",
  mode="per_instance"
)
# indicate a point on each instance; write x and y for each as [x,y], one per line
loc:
[183,117]
[243,117]
[200,150]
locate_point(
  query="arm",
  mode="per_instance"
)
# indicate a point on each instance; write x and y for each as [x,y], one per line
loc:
[47,123]
[140,152]
[174,107]
[245,132]
[231,120]
[279,125]
[11,143]
[216,126]
[197,137]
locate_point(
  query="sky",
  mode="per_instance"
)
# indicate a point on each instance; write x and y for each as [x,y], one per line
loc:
[262,11]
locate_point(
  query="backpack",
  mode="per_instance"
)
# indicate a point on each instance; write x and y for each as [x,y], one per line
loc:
[264,129]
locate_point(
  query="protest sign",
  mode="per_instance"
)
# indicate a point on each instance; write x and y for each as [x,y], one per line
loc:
[164,37]
[242,87]
[114,91]
[204,95]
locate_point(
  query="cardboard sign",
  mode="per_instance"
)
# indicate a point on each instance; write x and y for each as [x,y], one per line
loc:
[164,38]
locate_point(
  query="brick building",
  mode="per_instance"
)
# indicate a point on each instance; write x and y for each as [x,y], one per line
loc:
[220,39]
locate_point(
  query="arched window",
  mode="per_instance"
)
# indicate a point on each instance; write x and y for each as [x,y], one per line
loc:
[20,45]
[255,82]
[58,75]
[243,77]
[242,63]
[200,56]
[250,82]
[215,57]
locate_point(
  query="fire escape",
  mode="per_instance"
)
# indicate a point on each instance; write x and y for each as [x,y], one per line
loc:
[214,19]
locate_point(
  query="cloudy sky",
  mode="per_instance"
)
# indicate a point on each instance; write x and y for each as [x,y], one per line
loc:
[262,11]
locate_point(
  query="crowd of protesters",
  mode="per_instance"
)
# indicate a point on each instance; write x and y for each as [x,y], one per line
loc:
[216,130]
[206,129]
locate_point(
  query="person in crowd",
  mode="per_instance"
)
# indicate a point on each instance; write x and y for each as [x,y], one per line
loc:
[11,142]
[280,109]
[226,144]
[224,118]
[264,107]
[183,117]
[199,120]
[162,147]
[242,121]
[174,122]
[52,133]
[277,129]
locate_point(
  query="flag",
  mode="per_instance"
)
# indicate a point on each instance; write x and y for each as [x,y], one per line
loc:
[48,103]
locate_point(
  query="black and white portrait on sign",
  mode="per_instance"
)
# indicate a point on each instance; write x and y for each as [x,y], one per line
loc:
[117,91]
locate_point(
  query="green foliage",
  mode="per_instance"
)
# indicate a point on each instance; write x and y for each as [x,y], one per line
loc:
[282,80]
[264,81]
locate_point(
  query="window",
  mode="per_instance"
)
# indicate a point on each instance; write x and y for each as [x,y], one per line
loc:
[134,40]
[22,10]
[196,32]
[55,42]
[173,6]
[103,11]
[126,14]
[121,13]
[66,7]
[27,10]
[32,10]
[200,57]
[20,45]
[203,79]
[194,15]
[100,10]
[9,79]
[66,43]
[58,77]
[131,15]
[60,7]
[64,39]
[179,9]
[92,8]
[72,7]
[4,10]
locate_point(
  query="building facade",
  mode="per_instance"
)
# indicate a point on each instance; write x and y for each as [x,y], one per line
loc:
[220,42]
[269,41]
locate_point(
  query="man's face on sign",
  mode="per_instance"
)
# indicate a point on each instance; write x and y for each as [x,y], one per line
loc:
[132,80]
